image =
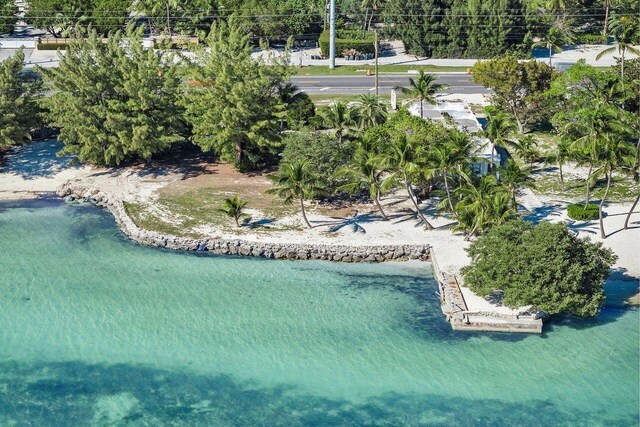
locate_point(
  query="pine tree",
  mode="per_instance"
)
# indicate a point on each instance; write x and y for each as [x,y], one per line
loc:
[114,101]
[233,101]
[19,112]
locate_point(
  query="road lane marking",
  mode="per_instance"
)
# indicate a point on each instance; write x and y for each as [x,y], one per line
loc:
[324,88]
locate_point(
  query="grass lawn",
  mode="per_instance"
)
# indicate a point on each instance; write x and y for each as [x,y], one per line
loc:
[187,208]
[623,188]
[352,70]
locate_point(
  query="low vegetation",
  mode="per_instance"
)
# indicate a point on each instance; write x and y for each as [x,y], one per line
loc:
[542,265]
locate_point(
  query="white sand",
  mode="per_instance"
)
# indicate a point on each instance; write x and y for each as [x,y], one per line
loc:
[25,176]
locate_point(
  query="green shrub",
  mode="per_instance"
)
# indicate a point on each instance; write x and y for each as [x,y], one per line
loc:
[348,39]
[542,265]
[323,154]
[590,39]
[51,46]
[579,213]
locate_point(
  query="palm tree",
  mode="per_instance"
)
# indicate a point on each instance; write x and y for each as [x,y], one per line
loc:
[339,117]
[512,176]
[234,208]
[499,127]
[636,176]
[445,161]
[613,152]
[562,154]
[423,89]
[482,206]
[588,128]
[366,170]
[554,41]
[294,181]
[526,147]
[373,7]
[406,160]
[625,30]
[371,111]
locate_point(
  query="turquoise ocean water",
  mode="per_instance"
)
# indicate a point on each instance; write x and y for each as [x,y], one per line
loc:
[96,330]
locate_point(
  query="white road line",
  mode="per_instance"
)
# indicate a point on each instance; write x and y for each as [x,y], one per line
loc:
[324,88]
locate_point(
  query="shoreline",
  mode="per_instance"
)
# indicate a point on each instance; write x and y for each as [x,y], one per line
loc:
[243,247]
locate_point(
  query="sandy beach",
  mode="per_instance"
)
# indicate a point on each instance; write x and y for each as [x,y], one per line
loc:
[33,170]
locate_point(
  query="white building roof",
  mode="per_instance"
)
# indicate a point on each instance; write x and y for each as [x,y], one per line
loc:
[464,120]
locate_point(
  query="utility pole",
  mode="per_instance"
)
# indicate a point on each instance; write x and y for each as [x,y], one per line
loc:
[332,35]
[375,45]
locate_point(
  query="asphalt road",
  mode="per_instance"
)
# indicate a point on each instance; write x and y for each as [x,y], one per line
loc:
[356,85]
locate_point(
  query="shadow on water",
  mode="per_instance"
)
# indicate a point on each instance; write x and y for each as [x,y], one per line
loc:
[73,393]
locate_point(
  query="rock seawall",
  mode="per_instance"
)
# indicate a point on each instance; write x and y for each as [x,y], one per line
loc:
[292,251]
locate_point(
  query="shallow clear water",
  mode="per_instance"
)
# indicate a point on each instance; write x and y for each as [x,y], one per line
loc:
[97,330]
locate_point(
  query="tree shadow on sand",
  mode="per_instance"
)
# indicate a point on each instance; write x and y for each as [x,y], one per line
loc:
[36,160]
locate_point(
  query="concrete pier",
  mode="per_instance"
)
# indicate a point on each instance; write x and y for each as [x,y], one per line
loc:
[454,307]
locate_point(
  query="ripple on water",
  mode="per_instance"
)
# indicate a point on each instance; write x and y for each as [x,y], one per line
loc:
[95,329]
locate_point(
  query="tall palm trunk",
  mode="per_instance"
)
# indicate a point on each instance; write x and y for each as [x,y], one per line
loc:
[604,198]
[550,53]
[561,176]
[304,214]
[446,187]
[626,221]
[421,109]
[472,232]
[415,204]
[588,195]
[622,66]
[377,198]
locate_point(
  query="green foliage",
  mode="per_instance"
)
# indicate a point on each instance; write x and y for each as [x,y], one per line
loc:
[277,19]
[341,118]
[189,16]
[300,109]
[460,28]
[114,101]
[8,11]
[580,213]
[590,39]
[58,17]
[518,87]
[366,171]
[543,265]
[19,112]
[362,42]
[423,89]
[323,155]
[371,111]
[482,204]
[295,181]
[233,207]
[233,101]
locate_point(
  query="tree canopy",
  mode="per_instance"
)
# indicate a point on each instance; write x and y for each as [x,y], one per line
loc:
[114,101]
[234,102]
[519,87]
[19,93]
[542,265]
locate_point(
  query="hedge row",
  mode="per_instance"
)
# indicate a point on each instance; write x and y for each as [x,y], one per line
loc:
[51,46]
[579,213]
[590,39]
[348,39]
